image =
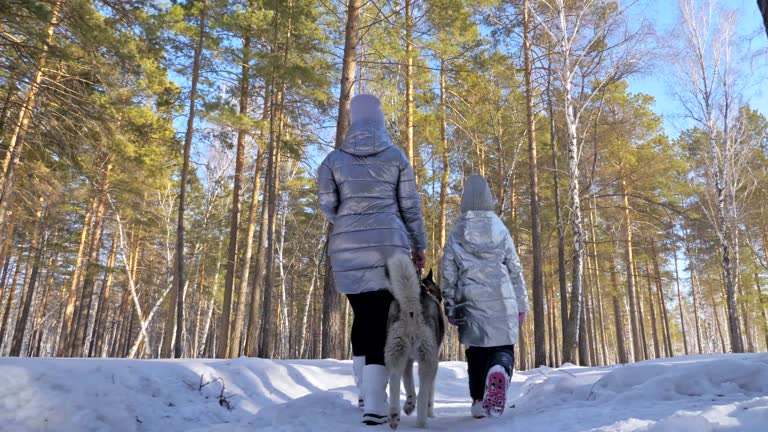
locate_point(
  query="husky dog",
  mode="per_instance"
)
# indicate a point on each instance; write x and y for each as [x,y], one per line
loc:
[415,330]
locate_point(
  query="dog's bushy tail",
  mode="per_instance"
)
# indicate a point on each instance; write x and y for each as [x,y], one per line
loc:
[404,284]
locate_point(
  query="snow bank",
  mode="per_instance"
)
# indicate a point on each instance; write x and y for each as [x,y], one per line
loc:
[695,393]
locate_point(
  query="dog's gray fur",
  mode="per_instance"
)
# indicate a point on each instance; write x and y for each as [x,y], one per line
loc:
[415,330]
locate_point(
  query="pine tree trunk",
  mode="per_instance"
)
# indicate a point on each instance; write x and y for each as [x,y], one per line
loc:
[641,314]
[257,289]
[266,344]
[561,272]
[11,294]
[694,295]
[102,311]
[633,319]
[537,290]
[654,325]
[618,319]
[21,125]
[199,303]
[237,334]
[409,144]
[39,330]
[446,162]
[583,340]
[596,266]
[680,301]
[662,301]
[178,277]
[331,323]
[230,343]
[25,301]
[65,335]
[91,269]
[761,304]
[207,332]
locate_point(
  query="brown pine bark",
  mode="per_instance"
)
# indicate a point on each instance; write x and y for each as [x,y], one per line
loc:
[596,266]
[618,319]
[409,145]
[21,125]
[654,325]
[561,274]
[331,323]
[65,334]
[230,343]
[102,309]
[266,343]
[694,293]
[240,317]
[39,330]
[37,246]
[445,159]
[761,304]
[91,268]
[537,290]
[178,276]
[680,302]
[641,315]
[662,301]
[636,341]
[11,294]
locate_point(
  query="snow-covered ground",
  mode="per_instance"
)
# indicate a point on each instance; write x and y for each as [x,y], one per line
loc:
[695,393]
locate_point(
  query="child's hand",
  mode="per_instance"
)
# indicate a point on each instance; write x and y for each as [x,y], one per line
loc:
[521,317]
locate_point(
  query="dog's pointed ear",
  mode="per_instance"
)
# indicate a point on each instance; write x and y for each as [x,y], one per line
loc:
[429,276]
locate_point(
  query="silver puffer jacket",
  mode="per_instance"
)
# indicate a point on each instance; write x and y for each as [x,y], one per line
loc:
[368,192]
[482,280]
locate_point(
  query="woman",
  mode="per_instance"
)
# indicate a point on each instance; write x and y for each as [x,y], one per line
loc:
[367,191]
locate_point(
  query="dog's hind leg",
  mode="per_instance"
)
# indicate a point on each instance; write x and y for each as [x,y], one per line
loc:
[410,388]
[427,373]
[395,359]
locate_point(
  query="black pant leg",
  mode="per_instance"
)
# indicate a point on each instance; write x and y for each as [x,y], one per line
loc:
[477,368]
[374,310]
[357,337]
[504,356]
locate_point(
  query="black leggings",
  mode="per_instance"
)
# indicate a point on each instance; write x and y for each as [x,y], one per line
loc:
[481,359]
[369,325]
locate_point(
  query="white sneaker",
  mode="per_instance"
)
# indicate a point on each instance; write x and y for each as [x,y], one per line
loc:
[477,409]
[358,362]
[376,410]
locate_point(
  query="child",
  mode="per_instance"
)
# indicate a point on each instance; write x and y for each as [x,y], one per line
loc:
[485,295]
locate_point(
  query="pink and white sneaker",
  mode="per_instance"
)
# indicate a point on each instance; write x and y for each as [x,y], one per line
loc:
[495,397]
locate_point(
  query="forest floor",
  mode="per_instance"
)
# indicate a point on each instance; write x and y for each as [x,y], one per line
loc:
[694,393]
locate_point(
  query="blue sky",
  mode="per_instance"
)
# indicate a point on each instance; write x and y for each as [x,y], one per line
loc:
[663,13]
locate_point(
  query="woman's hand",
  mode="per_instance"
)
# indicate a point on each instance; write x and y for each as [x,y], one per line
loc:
[419,259]
[521,317]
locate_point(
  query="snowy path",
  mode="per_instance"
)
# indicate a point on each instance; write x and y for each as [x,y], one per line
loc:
[696,393]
